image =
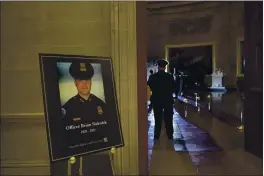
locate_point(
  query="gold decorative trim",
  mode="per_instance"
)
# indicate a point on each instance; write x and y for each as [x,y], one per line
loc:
[238,59]
[213,44]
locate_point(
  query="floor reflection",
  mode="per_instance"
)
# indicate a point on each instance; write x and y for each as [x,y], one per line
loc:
[202,143]
[186,138]
[228,105]
[230,102]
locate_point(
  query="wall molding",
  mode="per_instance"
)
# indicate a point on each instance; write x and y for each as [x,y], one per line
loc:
[23,115]
[24,163]
[22,118]
[25,167]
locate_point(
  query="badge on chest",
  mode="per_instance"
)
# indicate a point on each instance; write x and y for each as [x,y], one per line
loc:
[100,110]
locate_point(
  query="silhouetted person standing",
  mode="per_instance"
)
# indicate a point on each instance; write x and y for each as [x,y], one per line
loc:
[150,105]
[162,87]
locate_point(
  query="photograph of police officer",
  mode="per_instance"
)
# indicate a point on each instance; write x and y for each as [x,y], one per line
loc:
[84,104]
[80,105]
[83,108]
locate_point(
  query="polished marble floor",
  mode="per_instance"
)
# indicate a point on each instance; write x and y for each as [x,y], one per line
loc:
[202,145]
[227,106]
[230,102]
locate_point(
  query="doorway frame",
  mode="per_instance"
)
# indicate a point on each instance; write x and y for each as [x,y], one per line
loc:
[238,57]
[129,54]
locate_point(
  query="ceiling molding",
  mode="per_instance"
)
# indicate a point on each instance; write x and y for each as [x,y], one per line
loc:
[176,16]
[191,8]
[209,8]
[174,4]
[159,2]
[190,26]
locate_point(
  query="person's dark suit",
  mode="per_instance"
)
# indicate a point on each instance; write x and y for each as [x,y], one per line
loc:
[162,85]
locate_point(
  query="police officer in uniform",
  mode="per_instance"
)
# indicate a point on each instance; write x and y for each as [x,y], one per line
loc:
[162,87]
[83,108]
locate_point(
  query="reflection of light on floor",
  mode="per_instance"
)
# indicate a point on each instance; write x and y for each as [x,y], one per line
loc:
[241,128]
[151,125]
[189,101]
[241,116]
[185,113]
[186,137]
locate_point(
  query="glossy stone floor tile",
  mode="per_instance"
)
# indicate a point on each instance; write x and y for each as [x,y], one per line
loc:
[202,145]
[195,139]
[232,159]
[166,162]
[186,138]
[221,107]
[229,102]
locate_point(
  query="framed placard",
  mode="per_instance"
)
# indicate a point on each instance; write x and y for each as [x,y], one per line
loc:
[80,104]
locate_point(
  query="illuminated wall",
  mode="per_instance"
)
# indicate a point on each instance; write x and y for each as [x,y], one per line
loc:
[219,22]
[81,28]
[29,28]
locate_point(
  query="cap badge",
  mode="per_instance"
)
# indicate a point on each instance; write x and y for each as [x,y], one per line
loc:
[82,67]
[100,110]
[76,118]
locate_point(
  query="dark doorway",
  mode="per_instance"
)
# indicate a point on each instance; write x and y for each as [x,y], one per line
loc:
[254,77]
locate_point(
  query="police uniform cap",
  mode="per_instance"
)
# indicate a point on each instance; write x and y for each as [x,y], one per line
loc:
[82,71]
[162,63]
